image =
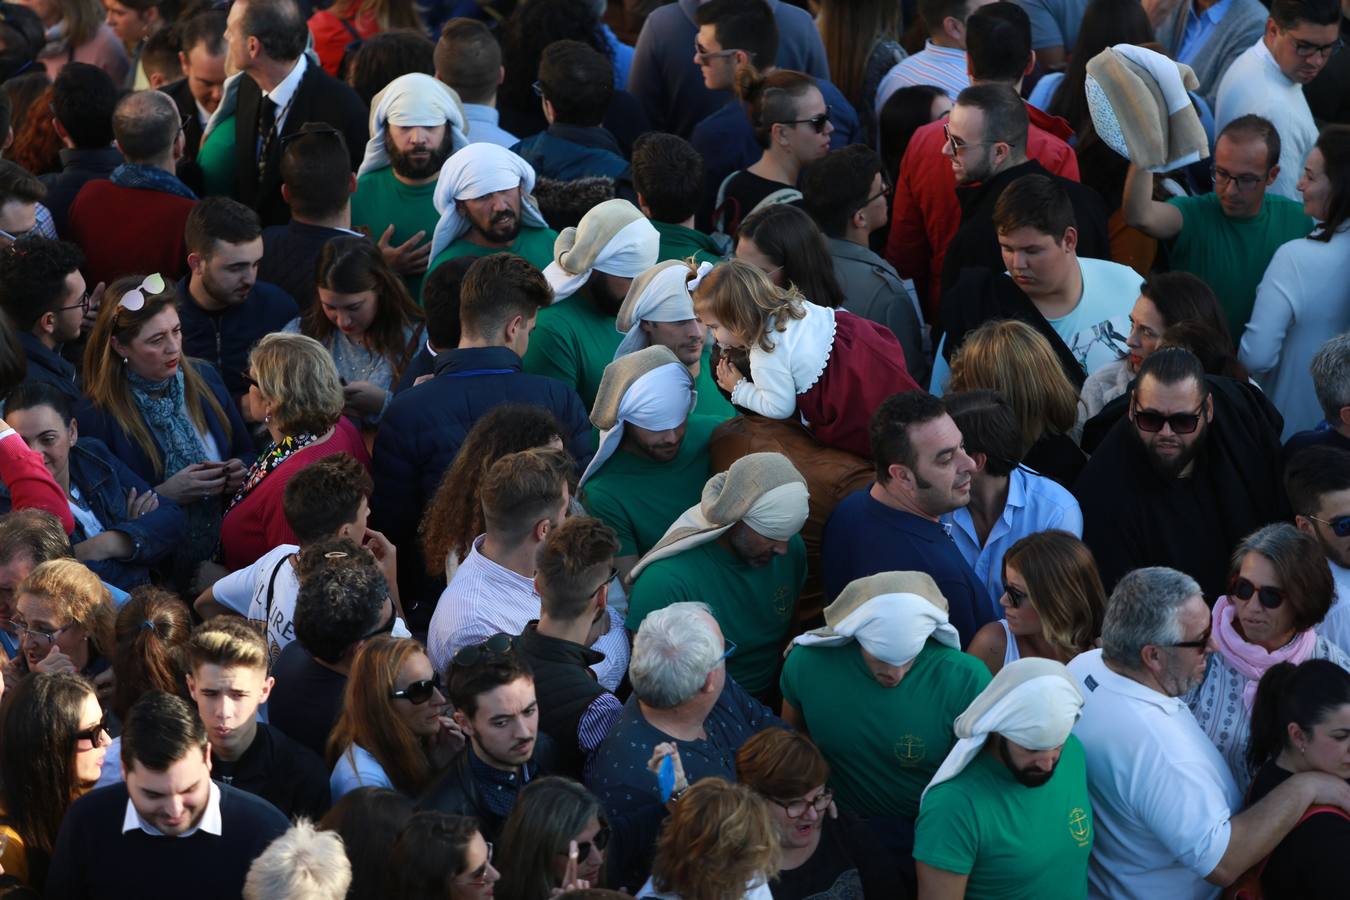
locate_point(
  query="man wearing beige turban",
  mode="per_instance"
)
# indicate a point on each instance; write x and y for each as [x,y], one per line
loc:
[593,266]
[739,552]
[879,689]
[1016,771]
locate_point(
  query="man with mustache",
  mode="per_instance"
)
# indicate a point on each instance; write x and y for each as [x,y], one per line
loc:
[970,837]
[1193,469]
[416,123]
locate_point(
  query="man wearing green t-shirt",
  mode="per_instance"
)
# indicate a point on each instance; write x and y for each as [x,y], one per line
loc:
[1008,814]
[879,690]
[668,179]
[417,124]
[652,459]
[1227,238]
[738,552]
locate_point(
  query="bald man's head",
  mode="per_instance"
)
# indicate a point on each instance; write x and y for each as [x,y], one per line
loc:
[146,125]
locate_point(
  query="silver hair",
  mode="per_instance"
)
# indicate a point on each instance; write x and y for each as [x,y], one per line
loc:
[1331,376]
[1144,609]
[674,650]
[302,864]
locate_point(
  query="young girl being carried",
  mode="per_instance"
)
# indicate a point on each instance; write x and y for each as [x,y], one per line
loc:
[828,366]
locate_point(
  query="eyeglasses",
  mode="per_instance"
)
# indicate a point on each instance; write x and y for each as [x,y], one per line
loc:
[182,124]
[1306,50]
[418,692]
[1340,526]
[1016,596]
[886,188]
[135,298]
[479,875]
[249,380]
[499,644]
[613,573]
[817,122]
[795,809]
[93,735]
[600,842]
[730,649]
[1243,182]
[703,56]
[538,88]
[83,305]
[1269,597]
[15,237]
[1198,644]
[957,145]
[384,628]
[37,635]
[1180,423]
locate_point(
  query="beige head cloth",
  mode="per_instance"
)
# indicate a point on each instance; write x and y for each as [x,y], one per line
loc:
[763,490]
[650,388]
[614,237]
[1141,109]
[660,294]
[890,614]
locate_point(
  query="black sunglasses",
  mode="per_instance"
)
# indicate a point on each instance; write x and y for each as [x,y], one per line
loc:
[817,122]
[1198,644]
[1340,526]
[418,692]
[499,644]
[1016,596]
[601,841]
[93,734]
[386,627]
[1270,597]
[1180,423]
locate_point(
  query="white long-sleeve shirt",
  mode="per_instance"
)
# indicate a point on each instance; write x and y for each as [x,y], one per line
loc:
[798,359]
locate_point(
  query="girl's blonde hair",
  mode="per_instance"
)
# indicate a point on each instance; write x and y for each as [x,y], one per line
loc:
[105,377]
[298,375]
[1063,587]
[76,593]
[1016,360]
[719,838]
[747,303]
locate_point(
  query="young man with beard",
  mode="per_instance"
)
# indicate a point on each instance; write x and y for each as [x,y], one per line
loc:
[393,202]
[1193,469]
[1317,480]
[1016,771]
[223,306]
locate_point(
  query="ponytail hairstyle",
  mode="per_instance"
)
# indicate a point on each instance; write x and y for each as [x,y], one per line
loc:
[771,99]
[747,303]
[1303,695]
[149,631]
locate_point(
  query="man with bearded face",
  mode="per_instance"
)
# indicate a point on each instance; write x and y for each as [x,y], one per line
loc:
[1193,468]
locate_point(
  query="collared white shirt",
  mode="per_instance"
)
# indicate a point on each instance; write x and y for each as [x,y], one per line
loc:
[1255,84]
[1162,796]
[284,93]
[203,114]
[210,822]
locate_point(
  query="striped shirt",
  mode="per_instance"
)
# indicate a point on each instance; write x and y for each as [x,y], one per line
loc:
[943,67]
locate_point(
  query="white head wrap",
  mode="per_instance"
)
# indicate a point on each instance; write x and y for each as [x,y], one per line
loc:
[1032,702]
[660,294]
[891,615]
[410,101]
[476,171]
[763,490]
[614,237]
[650,388]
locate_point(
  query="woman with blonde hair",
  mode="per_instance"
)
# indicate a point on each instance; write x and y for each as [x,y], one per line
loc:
[719,843]
[169,418]
[348,22]
[393,731]
[1053,602]
[1011,357]
[76,32]
[64,618]
[294,388]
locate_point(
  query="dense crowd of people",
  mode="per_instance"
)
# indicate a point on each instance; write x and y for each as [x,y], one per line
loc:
[697,450]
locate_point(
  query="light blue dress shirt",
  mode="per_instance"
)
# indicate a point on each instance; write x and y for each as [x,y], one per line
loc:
[1199,26]
[483,127]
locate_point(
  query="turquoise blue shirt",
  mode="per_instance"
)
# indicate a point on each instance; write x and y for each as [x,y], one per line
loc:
[1199,27]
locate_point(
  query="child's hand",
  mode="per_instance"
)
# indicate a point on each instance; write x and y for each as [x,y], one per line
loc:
[728,376]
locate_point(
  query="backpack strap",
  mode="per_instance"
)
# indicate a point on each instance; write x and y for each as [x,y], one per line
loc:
[1248,887]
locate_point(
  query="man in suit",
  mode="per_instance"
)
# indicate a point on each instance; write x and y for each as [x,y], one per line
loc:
[198,92]
[283,90]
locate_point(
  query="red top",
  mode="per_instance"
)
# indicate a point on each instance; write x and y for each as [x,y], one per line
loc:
[129,231]
[926,213]
[331,37]
[30,485]
[258,523]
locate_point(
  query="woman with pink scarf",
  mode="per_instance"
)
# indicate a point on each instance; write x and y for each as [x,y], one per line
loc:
[1280,589]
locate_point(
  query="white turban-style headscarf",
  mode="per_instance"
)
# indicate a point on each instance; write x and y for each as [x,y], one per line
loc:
[476,171]
[411,101]
[614,237]
[891,615]
[1032,702]
[763,490]
[651,389]
[660,294]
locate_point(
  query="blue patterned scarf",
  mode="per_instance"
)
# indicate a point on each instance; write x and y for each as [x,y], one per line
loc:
[149,178]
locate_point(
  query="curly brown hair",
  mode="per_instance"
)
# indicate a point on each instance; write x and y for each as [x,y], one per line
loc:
[719,838]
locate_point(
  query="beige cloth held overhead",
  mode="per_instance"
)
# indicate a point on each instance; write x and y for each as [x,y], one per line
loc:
[614,237]
[1140,107]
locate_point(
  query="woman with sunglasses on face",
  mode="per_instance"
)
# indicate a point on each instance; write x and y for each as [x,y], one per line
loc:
[555,838]
[1280,588]
[1053,602]
[1301,723]
[792,124]
[52,745]
[823,854]
[394,730]
[440,857]
[367,320]
[170,419]
[64,618]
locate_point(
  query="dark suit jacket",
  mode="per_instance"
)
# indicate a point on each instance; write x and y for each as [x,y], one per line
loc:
[187,108]
[319,98]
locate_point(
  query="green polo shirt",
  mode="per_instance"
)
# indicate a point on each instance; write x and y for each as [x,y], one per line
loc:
[573,340]
[382,200]
[679,242]
[534,244]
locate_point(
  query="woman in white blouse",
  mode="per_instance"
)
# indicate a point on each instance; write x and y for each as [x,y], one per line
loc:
[1304,298]
[1281,587]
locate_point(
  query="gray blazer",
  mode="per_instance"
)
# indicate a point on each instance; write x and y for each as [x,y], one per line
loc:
[1239,28]
[872,289]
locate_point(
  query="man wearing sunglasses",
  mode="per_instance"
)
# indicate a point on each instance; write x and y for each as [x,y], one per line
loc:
[1300,37]
[1317,480]
[1193,469]
[45,295]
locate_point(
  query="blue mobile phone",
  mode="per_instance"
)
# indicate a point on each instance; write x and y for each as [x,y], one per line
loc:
[665,777]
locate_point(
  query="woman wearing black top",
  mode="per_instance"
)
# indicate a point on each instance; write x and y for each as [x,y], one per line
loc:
[824,853]
[1301,723]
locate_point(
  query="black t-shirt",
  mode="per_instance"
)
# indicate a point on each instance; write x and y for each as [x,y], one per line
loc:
[849,864]
[1311,863]
[743,193]
[283,772]
[307,698]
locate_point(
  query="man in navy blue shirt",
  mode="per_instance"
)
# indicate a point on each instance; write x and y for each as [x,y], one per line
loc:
[923,472]
[46,298]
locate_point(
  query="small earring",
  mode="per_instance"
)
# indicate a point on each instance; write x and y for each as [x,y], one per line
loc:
[267,418]
[124,360]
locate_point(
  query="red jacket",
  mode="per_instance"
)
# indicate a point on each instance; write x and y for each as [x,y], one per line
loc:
[926,213]
[29,483]
[129,231]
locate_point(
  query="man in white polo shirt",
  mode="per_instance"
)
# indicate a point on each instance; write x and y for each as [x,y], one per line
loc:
[1163,799]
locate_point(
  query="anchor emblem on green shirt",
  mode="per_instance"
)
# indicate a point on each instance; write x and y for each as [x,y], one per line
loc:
[909,749]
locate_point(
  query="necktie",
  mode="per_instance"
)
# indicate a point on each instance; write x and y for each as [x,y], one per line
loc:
[267,127]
